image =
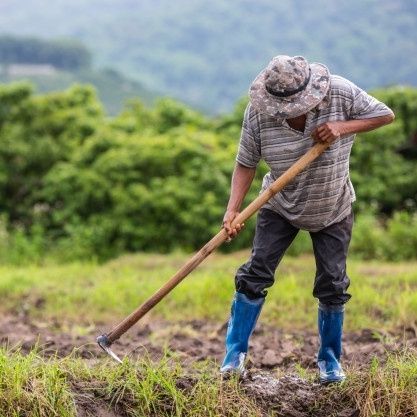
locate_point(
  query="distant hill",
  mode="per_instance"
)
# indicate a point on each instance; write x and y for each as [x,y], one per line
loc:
[112,87]
[56,64]
[207,52]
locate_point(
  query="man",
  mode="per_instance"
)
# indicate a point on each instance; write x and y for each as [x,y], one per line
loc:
[291,104]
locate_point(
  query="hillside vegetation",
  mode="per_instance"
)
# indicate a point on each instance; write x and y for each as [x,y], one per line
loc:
[207,53]
[76,184]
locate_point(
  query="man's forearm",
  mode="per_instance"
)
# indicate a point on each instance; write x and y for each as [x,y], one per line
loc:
[330,131]
[364,125]
[241,181]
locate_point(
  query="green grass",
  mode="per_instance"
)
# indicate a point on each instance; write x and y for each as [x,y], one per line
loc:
[388,390]
[34,386]
[384,295]
[37,387]
[78,295]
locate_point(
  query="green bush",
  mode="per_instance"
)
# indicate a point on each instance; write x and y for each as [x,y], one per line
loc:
[368,240]
[76,184]
[396,240]
[401,243]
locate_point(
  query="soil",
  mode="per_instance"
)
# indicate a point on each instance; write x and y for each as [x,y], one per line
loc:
[271,379]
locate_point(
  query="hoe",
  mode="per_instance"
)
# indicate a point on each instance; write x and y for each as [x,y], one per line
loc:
[106,340]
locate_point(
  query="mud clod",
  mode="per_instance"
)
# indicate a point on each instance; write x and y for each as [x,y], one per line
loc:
[295,396]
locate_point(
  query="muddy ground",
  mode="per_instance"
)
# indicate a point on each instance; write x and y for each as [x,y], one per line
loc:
[274,355]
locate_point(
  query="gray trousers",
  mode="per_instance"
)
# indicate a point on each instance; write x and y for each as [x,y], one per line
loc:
[274,235]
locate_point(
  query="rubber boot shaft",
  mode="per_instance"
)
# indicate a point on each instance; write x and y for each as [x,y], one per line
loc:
[243,318]
[330,324]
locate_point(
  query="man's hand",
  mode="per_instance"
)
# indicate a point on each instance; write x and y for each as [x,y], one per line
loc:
[227,220]
[328,132]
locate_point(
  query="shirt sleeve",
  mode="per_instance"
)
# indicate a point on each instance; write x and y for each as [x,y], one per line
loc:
[364,106]
[249,152]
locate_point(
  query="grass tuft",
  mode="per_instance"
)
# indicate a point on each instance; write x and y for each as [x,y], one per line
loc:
[31,386]
[386,390]
[34,386]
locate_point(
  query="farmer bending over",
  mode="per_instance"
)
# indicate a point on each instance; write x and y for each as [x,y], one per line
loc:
[291,103]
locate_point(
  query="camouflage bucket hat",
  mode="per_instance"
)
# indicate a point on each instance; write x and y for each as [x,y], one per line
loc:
[289,87]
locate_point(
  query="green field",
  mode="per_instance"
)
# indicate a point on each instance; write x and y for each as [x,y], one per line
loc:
[77,298]
[383,294]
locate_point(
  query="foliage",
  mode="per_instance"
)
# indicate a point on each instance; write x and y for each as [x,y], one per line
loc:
[396,240]
[36,133]
[158,178]
[382,168]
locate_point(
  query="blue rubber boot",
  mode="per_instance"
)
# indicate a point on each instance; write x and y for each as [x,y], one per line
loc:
[244,314]
[330,322]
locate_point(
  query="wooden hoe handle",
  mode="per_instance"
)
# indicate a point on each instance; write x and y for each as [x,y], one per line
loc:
[216,241]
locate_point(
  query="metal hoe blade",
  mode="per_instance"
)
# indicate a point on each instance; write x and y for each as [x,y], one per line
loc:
[104,342]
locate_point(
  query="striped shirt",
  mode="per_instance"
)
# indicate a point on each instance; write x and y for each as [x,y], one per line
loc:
[322,194]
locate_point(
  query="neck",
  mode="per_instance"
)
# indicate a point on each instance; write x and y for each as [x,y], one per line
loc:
[298,123]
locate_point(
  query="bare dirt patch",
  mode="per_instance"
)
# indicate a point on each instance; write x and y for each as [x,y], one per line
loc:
[197,340]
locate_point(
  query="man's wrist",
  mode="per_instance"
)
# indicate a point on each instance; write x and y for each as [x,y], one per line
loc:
[233,207]
[346,128]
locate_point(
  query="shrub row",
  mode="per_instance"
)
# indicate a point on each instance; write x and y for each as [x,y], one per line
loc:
[157,179]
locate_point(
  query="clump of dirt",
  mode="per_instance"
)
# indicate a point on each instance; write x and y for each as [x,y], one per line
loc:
[90,403]
[293,396]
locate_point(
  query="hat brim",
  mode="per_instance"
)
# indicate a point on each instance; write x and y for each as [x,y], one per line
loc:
[293,106]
